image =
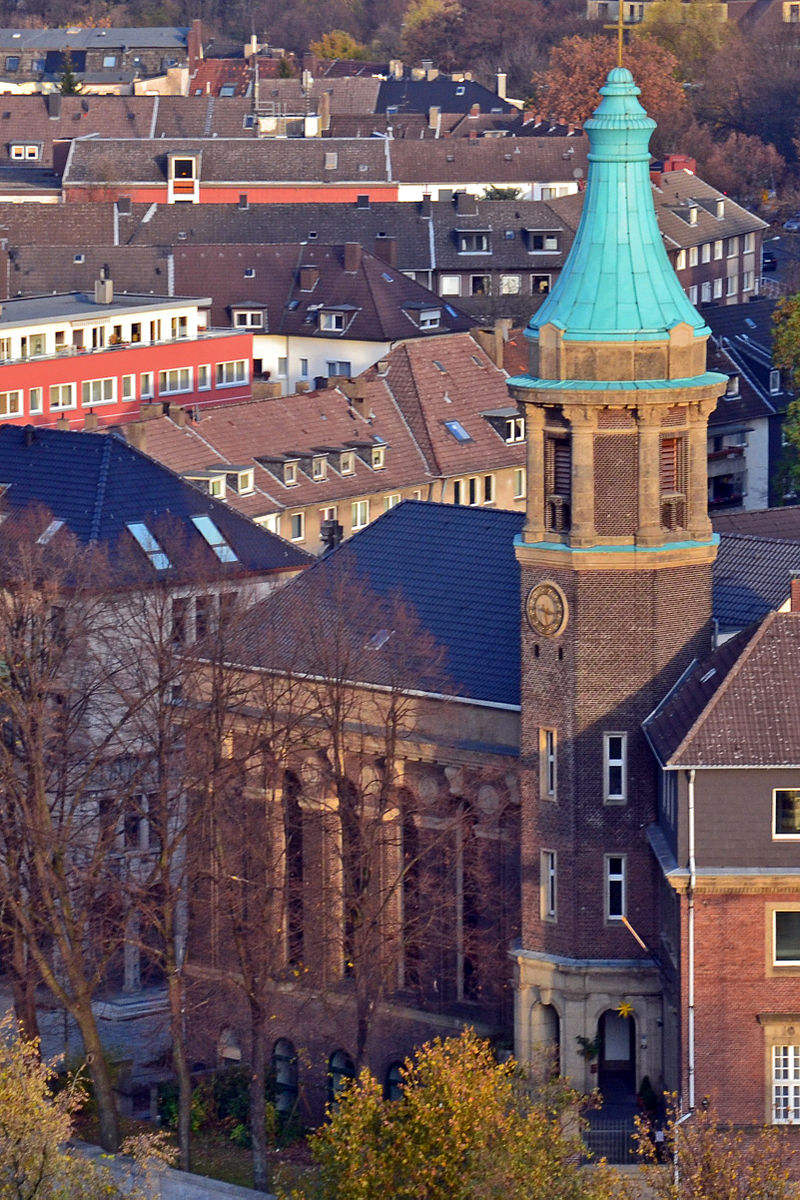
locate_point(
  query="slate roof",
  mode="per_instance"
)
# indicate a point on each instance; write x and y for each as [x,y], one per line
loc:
[351,96]
[672,200]
[97,485]
[380,301]
[448,95]
[90,38]
[469,603]
[302,160]
[421,243]
[751,576]
[32,271]
[740,707]
[780,523]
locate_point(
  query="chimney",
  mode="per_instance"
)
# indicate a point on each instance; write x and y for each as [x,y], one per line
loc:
[475,110]
[330,534]
[502,79]
[306,81]
[136,435]
[177,414]
[90,422]
[309,278]
[194,45]
[54,105]
[324,112]
[491,342]
[425,205]
[252,47]
[104,287]
[352,257]
[386,248]
[795,594]
[434,116]
[396,69]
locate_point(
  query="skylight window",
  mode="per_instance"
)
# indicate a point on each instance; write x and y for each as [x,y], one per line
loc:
[207,529]
[378,640]
[49,533]
[458,431]
[148,543]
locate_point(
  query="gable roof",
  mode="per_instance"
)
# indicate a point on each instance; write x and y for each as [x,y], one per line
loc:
[448,95]
[469,604]
[752,575]
[740,707]
[98,485]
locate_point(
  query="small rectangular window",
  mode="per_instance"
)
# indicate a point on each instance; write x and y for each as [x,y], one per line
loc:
[519,483]
[208,530]
[706,252]
[488,489]
[230,373]
[614,767]
[786,813]
[98,391]
[204,377]
[718,249]
[786,1060]
[693,256]
[548,885]
[35,403]
[62,395]
[146,385]
[787,939]
[360,513]
[615,886]
[128,387]
[391,501]
[347,463]
[179,379]
[450,285]
[11,404]
[297,526]
[680,260]
[547,763]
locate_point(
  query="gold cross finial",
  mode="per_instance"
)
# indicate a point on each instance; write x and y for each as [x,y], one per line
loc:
[620,15]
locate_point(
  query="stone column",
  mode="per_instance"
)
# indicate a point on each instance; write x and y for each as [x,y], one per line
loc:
[649,532]
[583,421]
[534,488]
[697,521]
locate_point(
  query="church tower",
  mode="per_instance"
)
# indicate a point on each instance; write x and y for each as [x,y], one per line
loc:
[615,561]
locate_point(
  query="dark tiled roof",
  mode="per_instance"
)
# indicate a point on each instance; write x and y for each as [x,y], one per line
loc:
[133,268]
[455,567]
[780,523]
[100,37]
[738,708]
[752,576]
[419,95]
[380,300]
[98,484]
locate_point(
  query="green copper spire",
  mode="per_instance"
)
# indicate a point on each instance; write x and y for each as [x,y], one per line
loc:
[617,283]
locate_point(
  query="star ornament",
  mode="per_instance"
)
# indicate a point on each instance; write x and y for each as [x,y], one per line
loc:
[625,1009]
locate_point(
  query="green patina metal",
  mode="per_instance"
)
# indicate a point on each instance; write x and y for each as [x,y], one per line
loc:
[708,378]
[618,283]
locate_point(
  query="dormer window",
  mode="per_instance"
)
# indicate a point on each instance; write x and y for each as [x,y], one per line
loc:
[248,318]
[430,318]
[25,151]
[473,242]
[720,208]
[733,386]
[347,463]
[290,473]
[515,430]
[242,481]
[319,467]
[332,322]
[378,458]
[542,243]
[183,171]
[774,381]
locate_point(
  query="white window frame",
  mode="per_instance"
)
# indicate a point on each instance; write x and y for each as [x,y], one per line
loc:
[61,396]
[749,243]
[785,1079]
[11,403]
[300,519]
[128,388]
[548,885]
[613,762]
[204,377]
[177,376]
[319,468]
[360,514]
[680,260]
[519,483]
[391,501]
[347,463]
[98,391]
[718,249]
[378,458]
[784,837]
[515,430]
[146,385]
[731,285]
[718,289]
[510,285]
[614,878]
[705,252]
[36,401]
[449,285]
[229,374]
[331,322]
[693,256]
[548,763]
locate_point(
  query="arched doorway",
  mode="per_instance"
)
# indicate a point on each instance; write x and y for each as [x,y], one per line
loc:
[546,1037]
[617,1065]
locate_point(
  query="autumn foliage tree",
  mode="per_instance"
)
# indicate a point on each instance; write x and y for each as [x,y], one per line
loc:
[570,86]
[464,1126]
[338,43]
[715,1161]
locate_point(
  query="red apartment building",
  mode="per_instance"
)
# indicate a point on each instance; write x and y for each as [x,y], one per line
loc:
[79,359]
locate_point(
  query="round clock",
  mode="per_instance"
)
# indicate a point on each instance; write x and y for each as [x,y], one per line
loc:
[546,609]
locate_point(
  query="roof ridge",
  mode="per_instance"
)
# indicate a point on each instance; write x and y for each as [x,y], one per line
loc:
[100,491]
[734,670]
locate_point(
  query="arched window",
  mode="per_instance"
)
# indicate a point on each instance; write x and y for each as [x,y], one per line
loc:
[340,1071]
[393,1087]
[284,1068]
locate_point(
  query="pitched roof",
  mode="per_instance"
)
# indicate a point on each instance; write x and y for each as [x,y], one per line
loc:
[680,192]
[448,95]
[379,303]
[404,403]
[780,523]
[738,708]
[98,485]
[394,556]
[752,576]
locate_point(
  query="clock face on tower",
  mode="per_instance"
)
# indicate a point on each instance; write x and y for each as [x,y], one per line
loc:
[546,609]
